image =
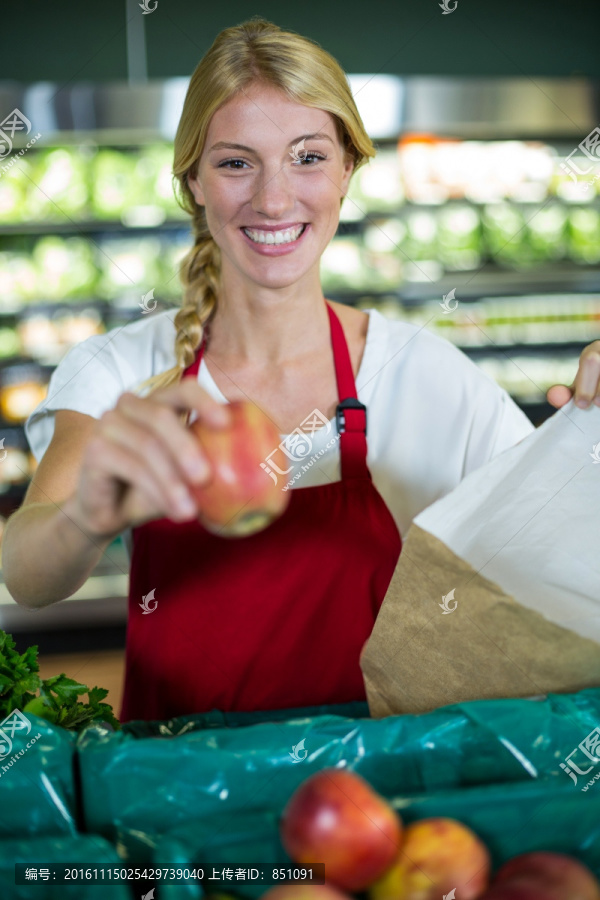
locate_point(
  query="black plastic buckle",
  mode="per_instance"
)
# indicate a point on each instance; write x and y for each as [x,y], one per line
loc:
[348,403]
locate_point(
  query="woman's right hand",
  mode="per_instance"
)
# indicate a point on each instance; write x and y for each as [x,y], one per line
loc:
[141,461]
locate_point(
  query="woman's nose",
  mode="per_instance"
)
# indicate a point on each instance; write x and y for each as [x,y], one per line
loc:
[273,194]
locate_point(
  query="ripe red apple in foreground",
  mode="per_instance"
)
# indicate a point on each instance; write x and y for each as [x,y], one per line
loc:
[336,818]
[304,892]
[437,856]
[241,497]
[554,873]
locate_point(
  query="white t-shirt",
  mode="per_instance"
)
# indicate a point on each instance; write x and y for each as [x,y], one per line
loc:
[433,415]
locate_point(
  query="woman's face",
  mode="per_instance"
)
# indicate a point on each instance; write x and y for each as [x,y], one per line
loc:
[253,187]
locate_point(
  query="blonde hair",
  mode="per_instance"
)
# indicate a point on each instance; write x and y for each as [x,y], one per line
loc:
[256,50]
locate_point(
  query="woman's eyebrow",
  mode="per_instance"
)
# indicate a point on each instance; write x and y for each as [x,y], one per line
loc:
[226,145]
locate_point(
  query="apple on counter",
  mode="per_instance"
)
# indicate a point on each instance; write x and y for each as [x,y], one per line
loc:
[543,876]
[336,818]
[437,856]
[305,892]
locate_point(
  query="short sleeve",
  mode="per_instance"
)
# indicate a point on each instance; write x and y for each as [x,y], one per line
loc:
[496,424]
[83,382]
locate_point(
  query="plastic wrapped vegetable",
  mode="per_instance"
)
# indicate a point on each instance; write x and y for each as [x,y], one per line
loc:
[58,187]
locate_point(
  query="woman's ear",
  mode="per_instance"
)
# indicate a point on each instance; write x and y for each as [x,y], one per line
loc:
[347,173]
[196,189]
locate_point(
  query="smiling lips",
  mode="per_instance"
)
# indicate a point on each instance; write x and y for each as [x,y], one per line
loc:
[285,236]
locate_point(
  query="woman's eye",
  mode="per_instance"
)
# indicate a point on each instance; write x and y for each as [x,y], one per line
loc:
[238,164]
[227,163]
[313,154]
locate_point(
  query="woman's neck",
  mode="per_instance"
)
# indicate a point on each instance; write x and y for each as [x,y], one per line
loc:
[269,327]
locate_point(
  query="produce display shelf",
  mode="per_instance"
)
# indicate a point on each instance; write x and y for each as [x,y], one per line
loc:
[101,601]
[91,226]
[486,349]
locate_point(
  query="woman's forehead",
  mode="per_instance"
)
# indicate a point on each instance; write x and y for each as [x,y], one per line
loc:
[269,109]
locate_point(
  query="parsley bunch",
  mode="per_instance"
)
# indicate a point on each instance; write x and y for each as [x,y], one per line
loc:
[56,699]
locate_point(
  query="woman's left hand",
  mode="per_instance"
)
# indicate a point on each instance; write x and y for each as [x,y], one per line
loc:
[586,387]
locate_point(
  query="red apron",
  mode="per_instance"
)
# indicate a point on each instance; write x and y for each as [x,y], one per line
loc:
[271,621]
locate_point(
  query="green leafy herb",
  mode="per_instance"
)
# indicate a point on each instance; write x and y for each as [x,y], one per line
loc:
[58,699]
[19,680]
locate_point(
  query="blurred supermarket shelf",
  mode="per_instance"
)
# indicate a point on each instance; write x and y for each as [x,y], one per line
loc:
[100,602]
[94,226]
[481,189]
[484,108]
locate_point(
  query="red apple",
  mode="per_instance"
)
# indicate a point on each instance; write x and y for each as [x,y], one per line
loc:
[241,497]
[437,856]
[304,892]
[556,873]
[336,818]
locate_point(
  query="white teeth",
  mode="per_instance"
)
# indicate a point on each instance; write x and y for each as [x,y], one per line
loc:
[274,237]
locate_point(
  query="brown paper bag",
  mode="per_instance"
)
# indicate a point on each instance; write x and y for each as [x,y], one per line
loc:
[419,657]
[497,589]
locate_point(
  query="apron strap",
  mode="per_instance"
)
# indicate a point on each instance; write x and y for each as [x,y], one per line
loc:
[350,416]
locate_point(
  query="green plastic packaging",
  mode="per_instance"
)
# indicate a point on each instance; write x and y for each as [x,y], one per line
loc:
[37,787]
[227,840]
[146,787]
[39,852]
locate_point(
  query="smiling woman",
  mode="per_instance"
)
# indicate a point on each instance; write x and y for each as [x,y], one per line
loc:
[262,82]
[268,141]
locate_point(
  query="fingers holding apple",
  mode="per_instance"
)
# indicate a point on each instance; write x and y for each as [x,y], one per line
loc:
[242,495]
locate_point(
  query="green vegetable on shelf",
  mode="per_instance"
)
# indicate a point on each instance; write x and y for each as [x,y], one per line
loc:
[459,236]
[13,191]
[58,187]
[58,700]
[114,185]
[65,267]
[547,232]
[584,235]
[155,169]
